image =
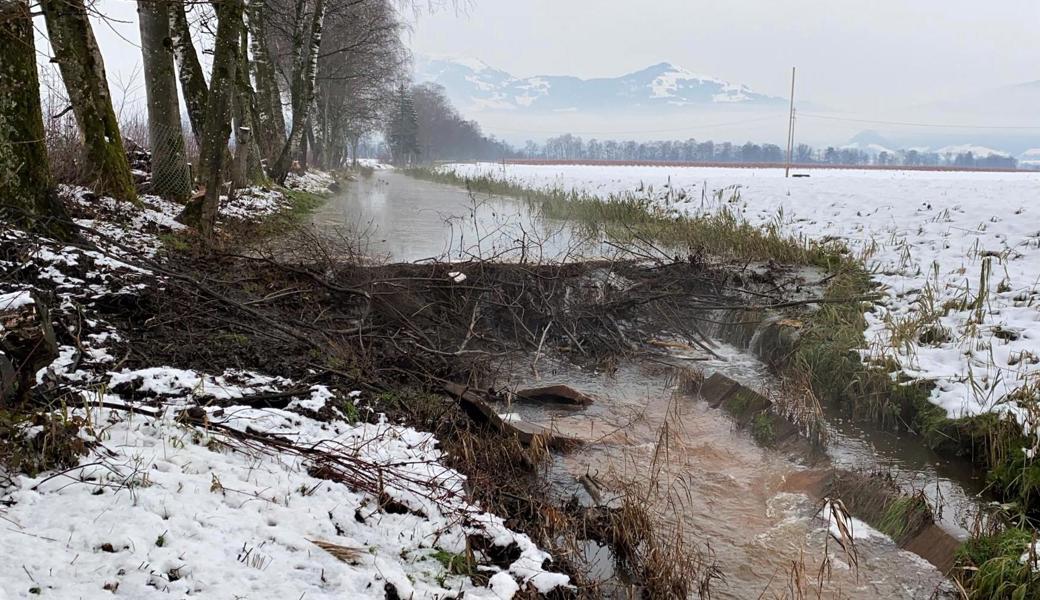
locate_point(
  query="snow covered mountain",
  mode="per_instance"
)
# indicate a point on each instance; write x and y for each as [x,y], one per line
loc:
[975,150]
[473,85]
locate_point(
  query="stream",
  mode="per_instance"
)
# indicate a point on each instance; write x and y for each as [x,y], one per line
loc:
[728,497]
[405,219]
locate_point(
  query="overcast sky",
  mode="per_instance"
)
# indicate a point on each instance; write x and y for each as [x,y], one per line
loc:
[873,55]
[864,59]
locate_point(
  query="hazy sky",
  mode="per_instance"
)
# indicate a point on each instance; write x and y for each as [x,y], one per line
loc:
[873,59]
[872,55]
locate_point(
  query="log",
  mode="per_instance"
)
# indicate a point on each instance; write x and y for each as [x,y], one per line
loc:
[474,404]
[555,394]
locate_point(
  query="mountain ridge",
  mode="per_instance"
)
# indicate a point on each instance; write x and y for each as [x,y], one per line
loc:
[474,85]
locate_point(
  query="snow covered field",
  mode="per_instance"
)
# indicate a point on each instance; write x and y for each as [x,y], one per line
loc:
[184,491]
[958,255]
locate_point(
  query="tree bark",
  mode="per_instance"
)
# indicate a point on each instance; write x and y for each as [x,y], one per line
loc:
[311,145]
[27,197]
[171,177]
[189,70]
[302,92]
[83,71]
[247,169]
[271,134]
[217,127]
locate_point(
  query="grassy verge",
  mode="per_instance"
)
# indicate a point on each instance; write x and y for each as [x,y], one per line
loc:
[628,217]
[827,356]
[1001,566]
[301,204]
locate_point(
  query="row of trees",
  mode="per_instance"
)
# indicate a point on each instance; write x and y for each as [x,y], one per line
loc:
[425,127]
[570,147]
[289,81]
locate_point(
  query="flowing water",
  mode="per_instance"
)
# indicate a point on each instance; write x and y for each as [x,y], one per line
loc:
[728,496]
[731,498]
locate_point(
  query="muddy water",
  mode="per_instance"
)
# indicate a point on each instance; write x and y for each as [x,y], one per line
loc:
[730,498]
[950,485]
[404,219]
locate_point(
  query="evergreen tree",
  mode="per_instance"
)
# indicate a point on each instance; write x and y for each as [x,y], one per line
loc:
[404,129]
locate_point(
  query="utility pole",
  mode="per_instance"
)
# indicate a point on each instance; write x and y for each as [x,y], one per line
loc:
[790,128]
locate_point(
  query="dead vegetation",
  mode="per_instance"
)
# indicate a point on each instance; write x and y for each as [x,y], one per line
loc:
[317,312]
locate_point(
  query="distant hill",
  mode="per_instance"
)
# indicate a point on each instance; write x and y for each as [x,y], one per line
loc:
[473,85]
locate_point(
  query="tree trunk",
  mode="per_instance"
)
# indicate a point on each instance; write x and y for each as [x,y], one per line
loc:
[304,147]
[26,195]
[83,70]
[271,134]
[247,169]
[217,128]
[302,92]
[192,78]
[313,147]
[171,177]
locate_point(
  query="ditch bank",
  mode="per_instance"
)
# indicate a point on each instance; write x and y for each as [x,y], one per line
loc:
[825,358]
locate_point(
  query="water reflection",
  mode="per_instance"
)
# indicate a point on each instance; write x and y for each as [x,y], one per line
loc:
[407,220]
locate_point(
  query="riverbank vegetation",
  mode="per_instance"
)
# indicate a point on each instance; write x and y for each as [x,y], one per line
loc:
[828,354]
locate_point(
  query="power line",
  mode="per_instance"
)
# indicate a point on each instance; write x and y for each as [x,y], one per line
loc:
[911,124]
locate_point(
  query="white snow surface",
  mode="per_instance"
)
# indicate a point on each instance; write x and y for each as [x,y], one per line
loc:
[374,163]
[315,182]
[226,504]
[924,235]
[15,300]
[186,511]
[976,151]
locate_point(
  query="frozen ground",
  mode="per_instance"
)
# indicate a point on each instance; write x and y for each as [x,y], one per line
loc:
[315,182]
[958,255]
[184,491]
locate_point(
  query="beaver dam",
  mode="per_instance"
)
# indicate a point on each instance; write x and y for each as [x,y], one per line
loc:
[695,461]
[428,393]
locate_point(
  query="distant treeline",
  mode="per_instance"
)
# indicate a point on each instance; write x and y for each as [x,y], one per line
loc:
[570,147]
[424,127]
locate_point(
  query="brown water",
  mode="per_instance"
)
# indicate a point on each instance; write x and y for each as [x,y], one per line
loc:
[730,497]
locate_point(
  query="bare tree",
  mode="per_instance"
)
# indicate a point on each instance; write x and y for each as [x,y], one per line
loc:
[247,168]
[190,73]
[360,61]
[217,127]
[83,71]
[26,193]
[270,117]
[171,177]
[305,49]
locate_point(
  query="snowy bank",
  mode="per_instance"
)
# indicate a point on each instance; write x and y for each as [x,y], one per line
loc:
[957,253]
[185,487]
